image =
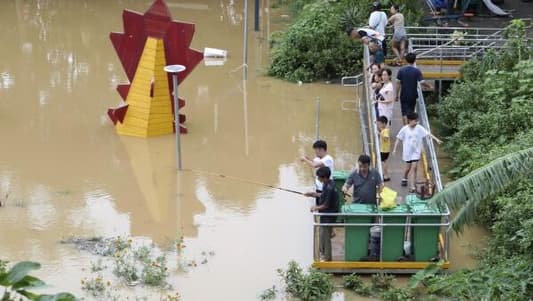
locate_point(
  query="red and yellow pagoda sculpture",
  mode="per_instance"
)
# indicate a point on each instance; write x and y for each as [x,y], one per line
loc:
[149,43]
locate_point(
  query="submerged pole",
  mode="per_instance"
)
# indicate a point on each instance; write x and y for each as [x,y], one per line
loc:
[256,15]
[317,118]
[245,41]
[174,70]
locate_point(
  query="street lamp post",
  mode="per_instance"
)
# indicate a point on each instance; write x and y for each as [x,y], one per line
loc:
[174,70]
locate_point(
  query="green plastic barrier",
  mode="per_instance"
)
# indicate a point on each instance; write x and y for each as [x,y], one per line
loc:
[356,237]
[425,239]
[393,236]
[412,199]
[339,177]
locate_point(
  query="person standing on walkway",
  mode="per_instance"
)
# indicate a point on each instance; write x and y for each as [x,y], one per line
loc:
[328,203]
[384,145]
[322,158]
[411,136]
[366,182]
[385,96]
[378,21]
[399,37]
[407,86]
[377,55]
[375,84]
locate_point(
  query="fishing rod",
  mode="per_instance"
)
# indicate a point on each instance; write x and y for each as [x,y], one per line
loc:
[242,180]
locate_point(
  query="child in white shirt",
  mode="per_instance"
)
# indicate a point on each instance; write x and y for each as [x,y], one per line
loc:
[411,136]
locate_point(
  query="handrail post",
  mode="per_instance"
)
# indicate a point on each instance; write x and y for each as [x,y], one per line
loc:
[372,112]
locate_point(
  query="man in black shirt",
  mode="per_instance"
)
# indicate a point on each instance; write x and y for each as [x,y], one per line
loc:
[328,203]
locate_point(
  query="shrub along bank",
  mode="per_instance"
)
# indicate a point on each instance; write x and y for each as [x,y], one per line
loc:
[316,46]
[487,115]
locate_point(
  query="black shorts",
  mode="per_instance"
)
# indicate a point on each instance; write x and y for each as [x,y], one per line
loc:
[384,156]
[411,161]
[407,106]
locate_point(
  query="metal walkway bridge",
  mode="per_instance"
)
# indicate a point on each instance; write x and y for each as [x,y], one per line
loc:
[440,53]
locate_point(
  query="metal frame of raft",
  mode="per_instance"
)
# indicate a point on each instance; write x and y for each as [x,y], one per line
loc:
[429,164]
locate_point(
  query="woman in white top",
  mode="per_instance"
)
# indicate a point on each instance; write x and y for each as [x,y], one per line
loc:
[385,98]
[399,37]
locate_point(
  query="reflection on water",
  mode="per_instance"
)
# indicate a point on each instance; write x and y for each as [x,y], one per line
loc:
[6,81]
[65,172]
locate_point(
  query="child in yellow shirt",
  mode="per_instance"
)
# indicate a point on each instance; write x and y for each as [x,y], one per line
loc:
[384,144]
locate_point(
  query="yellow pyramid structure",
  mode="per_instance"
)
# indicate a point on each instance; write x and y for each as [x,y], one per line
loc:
[149,115]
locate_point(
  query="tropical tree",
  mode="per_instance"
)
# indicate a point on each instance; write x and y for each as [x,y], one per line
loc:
[15,283]
[470,192]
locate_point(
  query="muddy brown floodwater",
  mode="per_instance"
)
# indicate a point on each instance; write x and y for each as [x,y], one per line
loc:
[67,173]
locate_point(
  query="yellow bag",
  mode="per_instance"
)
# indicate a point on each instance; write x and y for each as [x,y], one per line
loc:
[388,198]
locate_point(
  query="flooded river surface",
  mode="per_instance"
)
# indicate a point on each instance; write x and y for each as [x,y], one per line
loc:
[65,172]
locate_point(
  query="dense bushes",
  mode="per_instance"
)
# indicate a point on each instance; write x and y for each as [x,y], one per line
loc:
[316,46]
[491,107]
[510,279]
[485,116]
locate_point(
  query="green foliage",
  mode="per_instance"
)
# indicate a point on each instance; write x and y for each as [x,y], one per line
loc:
[424,275]
[3,266]
[310,286]
[16,281]
[488,112]
[268,294]
[155,273]
[352,281]
[126,268]
[94,286]
[510,279]
[294,6]
[512,230]
[143,254]
[518,48]
[492,105]
[397,294]
[381,282]
[316,45]
[97,266]
[488,117]
[470,192]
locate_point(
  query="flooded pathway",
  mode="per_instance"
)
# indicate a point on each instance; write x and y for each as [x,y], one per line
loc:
[65,172]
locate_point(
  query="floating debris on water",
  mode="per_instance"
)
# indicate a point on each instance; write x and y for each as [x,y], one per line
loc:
[98,245]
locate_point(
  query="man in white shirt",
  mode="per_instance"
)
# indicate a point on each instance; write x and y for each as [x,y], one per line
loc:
[378,21]
[411,136]
[322,159]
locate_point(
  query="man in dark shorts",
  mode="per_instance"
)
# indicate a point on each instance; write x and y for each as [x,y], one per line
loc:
[366,182]
[328,203]
[407,86]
